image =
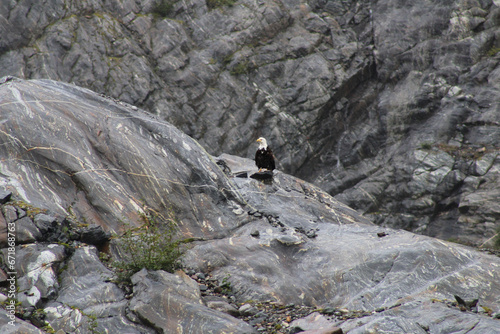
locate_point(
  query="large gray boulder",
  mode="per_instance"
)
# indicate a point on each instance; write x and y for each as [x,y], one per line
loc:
[167,302]
[82,162]
[73,152]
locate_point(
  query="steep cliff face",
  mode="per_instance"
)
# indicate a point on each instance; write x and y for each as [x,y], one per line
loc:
[391,106]
[70,156]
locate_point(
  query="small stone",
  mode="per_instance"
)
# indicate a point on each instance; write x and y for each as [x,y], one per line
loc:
[10,213]
[313,322]
[45,223]
[311,234]
[255,233]
[247,309]
[329,310]
[27,232]
[289,240]
[203,287]
[219,304]
[201,276]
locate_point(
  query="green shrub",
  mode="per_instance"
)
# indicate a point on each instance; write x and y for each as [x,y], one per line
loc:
[426,146]
[152,246]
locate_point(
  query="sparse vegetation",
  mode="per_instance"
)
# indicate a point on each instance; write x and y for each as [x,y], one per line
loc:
[496,243]
[226,285]
[493,51]
[425,146]
[152,246]
[241,68]
[464,152]
[31,210]
[212,4]
[163,8]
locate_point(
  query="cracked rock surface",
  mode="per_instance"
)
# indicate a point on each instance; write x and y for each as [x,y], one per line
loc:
[350,94]
[74,153]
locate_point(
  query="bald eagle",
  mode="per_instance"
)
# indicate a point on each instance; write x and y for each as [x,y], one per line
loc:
[264,158]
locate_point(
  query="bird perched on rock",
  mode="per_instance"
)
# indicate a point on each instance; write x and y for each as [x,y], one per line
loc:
[264,158]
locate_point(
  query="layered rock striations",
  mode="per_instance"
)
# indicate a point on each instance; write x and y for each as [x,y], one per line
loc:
[70,156]
[390,106]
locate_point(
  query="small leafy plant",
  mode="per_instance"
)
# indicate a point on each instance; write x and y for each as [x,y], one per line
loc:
[226,285]
[152,246]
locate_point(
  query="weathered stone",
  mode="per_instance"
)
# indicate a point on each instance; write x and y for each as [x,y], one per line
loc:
[36,267]
[220,304]
[374,287]
[79,168]
[87,299]
[15,325]
[45,223]
[169,302]
[26,231]
[247,309]
[314,321]
[10,213]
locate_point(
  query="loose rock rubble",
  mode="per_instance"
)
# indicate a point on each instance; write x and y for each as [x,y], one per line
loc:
[265,316]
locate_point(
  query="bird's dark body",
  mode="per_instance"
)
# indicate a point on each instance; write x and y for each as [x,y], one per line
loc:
[264,158]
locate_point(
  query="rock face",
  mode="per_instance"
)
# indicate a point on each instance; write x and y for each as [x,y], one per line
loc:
[74,136]
[75,154]
[390,106]
[156,292]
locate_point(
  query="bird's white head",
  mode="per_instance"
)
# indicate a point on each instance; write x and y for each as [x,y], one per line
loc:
[262,142]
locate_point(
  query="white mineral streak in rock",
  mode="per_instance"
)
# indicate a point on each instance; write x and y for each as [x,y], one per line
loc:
[41,269]
[33,295]
[186,146]
[21,101]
